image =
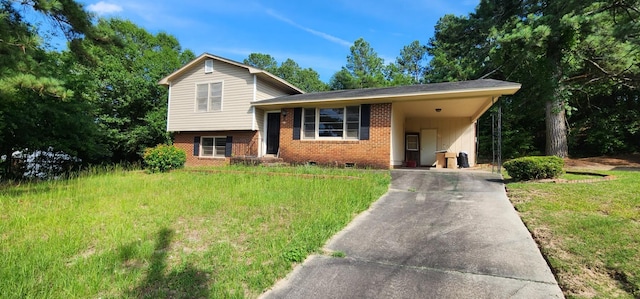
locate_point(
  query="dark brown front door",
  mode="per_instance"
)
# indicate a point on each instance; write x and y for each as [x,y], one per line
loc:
[273,133]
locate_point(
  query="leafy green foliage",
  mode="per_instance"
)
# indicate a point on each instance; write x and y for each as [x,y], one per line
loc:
[305,79]
[534,168]
[163,158]
[38,109]
[564,54]
[411,62]
[364,69]
[607,124]
[129,105]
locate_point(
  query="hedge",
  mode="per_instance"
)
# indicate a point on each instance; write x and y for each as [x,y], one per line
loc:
[163,158]
[535,168]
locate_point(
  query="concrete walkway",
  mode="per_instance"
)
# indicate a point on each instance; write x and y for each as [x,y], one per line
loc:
[435,234]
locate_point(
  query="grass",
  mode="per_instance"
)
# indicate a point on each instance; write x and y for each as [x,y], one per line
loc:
[589,233]
[225,234]
[579,176]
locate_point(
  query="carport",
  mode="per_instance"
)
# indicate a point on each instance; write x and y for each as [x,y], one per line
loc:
[443,120]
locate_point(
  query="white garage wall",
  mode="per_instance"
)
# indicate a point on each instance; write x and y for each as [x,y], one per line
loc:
[454,134]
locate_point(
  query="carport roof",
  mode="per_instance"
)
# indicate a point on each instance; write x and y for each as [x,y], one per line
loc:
[433,91]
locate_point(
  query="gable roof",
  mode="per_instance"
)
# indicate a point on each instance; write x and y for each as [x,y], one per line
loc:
[447,90]
[271,78]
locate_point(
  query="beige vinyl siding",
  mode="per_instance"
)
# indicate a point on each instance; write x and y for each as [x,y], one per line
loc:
[267,91]
[237,94]
[454,134]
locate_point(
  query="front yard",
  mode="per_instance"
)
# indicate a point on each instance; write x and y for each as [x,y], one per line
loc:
[232,232]
[589,232]
[228,233]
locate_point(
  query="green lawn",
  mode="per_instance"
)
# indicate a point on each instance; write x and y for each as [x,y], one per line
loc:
[228,233]
[589,232]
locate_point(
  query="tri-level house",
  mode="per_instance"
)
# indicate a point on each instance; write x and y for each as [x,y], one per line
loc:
[219,108]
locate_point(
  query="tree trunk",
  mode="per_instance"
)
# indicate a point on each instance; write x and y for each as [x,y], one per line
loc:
[556,125]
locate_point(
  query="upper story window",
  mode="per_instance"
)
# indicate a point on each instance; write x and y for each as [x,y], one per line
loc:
[209,97]
[208,66]
[331,123]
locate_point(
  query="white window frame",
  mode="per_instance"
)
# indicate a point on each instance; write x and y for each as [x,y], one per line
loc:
[209,96]
[208,66]
[413,143]
[213,154]
[317,124]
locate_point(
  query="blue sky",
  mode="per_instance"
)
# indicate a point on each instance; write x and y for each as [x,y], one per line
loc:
[315,34]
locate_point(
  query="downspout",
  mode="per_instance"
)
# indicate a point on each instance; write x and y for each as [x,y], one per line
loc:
[391,139]
[253,109]
[169,106]
[493,137]
[499,136]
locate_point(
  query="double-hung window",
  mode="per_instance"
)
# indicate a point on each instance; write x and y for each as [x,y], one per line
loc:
[209,97]
[331,123]
[213,146]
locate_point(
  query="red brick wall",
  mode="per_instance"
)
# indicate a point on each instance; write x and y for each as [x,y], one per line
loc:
[374,152]
[245,143]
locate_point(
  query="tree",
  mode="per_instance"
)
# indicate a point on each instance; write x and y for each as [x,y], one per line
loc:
[305,79]
[129,106]
[396,76]
[555,49]
[37,110]
[364,68]
[262,61]
[412,61]
[607,124]
[343,79]
[458,50]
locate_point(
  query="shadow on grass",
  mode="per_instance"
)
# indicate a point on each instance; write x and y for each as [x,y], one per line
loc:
[625,282]
[20,189]
[183,282]
[626,168]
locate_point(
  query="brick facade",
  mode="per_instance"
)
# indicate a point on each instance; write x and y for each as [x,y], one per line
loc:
[374,152]
[244,143]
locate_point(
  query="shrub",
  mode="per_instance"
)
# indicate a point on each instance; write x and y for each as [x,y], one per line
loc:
[533,168]
[164,158]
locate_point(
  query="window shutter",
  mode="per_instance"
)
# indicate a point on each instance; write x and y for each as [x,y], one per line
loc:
[297,123]
[228,147]
[365,121]
[196,146]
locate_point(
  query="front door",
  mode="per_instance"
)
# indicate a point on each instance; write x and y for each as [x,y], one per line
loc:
[273,133]
[428,145]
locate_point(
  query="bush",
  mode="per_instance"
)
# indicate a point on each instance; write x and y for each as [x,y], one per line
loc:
[163,158]
[534,168]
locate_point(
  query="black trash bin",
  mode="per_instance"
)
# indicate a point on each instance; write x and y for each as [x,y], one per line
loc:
[463,160]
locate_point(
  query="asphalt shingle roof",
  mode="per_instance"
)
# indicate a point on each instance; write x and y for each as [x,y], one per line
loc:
[432,88]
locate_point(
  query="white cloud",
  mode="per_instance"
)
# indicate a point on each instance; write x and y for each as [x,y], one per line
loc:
[326,36]
[103,8]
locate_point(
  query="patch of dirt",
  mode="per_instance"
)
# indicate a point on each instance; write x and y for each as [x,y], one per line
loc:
[590,283]
[622,162]
[584,282]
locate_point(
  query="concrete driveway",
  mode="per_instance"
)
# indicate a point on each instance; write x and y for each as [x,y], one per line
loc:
[435,234]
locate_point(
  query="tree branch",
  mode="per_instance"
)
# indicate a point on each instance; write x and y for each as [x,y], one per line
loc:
[21,46]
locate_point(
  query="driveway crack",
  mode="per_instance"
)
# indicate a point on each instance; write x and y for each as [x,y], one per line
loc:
[448,271]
